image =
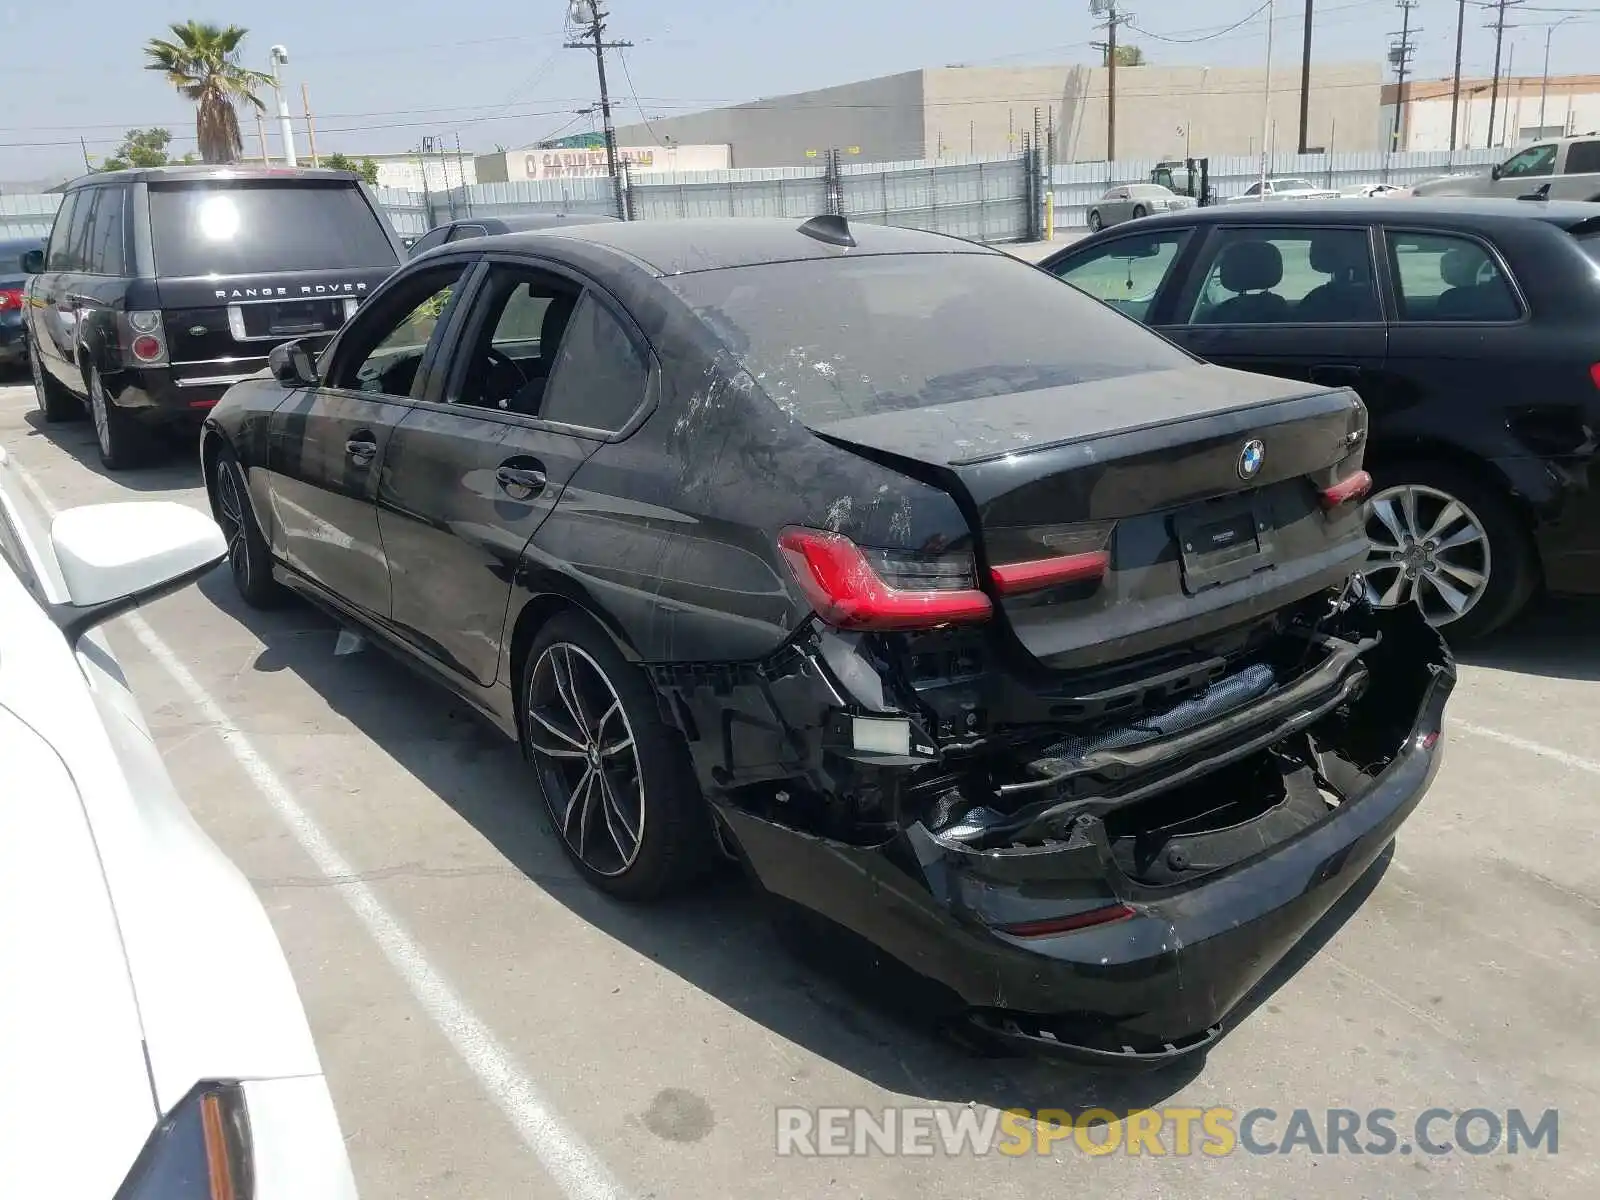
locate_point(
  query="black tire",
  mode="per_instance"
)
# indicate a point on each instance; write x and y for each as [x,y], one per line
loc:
[1095,223]
[1139,210]
[249,556]
[1511,563]
[121,441]
[674,844]
[55,402]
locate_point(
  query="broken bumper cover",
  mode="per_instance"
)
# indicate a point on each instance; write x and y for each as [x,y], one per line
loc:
[1152,986]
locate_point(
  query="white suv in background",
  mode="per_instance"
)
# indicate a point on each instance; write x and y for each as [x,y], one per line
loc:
[152,1043]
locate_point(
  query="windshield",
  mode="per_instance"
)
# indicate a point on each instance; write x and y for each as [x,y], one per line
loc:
[830,339]
[239,228]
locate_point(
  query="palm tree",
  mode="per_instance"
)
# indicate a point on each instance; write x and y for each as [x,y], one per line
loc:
[202,62]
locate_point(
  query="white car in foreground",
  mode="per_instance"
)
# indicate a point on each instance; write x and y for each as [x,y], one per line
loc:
[152,1043]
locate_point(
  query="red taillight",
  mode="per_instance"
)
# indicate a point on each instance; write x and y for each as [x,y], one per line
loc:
[1594,374]
[1351,487]
[1083,920]
[1010,578]
[846,591]
[146,348]
[10,298]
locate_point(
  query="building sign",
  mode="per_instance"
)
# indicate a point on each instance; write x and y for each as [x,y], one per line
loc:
[584,164]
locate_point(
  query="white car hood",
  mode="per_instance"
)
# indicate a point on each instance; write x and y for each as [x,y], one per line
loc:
[76,1102]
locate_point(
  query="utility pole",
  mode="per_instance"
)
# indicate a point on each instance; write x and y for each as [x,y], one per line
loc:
[1455,92]
[1499,26]
[87,165]
[1400,58]
[1266,103]
[1305,83]
[261,132]
[311,129]
[591,17]
[1112,18]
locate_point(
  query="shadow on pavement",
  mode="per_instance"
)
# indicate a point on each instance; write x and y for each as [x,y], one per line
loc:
[1554,637]
[174,461]
[716,938]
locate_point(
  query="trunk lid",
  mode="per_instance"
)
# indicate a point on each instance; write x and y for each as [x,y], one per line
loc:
[1199,485]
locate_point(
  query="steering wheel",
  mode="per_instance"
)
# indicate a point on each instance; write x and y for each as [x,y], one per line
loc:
[497,355]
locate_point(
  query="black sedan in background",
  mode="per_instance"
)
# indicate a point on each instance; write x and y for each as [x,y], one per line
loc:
[974,619]
[471,227]
[13,281]
[1468,328]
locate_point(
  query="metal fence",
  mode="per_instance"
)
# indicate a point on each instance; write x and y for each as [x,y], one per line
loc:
[1076,186]
[991,200]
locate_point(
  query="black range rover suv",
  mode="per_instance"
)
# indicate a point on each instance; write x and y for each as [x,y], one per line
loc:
[161,288]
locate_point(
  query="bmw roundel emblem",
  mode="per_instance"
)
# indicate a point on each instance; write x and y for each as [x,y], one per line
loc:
[1251,458]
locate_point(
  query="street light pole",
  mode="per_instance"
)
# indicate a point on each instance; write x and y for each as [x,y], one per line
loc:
[1544,82]
[280,56]
[1266,100]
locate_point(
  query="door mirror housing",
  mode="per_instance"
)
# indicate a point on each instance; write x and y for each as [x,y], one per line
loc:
[116,557]
[292,365]
[1494,172]
[33,262]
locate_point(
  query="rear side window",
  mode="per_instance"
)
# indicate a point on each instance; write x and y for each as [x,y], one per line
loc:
[834,338]
[1583,158]
[600,374]
[1441,277]
[1262,276]
[104,247]
[243,228]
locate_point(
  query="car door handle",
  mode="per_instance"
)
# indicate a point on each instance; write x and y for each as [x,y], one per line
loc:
[1336,374]
[521,483]
[362,449]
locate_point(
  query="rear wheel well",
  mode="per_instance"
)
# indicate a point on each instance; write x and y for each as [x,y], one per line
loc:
[535,615]
[1383,453]
[211,445]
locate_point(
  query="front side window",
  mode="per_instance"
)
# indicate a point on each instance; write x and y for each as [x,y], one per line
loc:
[1535,160]
[1262,276]
[389,345]
[828,339]
[1126,273]
[1583,158]
[1440,277]
[55,256]
[245,227]
[1255,189]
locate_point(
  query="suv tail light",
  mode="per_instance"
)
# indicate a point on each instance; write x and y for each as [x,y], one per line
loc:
[145,337]
[854,588]
[10,298]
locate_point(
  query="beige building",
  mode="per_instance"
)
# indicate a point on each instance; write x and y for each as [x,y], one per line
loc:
[951,112]
[1527,108]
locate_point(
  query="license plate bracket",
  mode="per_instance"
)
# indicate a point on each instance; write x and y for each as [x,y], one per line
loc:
[1221,542]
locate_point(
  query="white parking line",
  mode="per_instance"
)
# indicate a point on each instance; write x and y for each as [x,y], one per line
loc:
[1510,739]
[574,1166]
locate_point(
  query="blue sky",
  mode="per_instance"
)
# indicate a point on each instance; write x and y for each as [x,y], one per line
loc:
[382,75]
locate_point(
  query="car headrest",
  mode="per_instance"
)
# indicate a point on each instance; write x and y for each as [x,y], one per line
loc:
[1340,256]
[556,315]
[1459,267]
[1251,267]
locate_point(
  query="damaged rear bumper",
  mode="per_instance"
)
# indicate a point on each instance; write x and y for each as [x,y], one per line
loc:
[973,928]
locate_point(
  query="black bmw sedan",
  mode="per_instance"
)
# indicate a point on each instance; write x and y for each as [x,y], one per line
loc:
[1467,327]
[981,625]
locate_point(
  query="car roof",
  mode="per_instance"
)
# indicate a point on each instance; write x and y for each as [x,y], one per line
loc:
[710,244]
[518,222]
[1465,212]
[202,172]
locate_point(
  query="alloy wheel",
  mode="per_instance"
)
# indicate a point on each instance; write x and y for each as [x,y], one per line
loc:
[230,516]
[102,417]
[1427,546]
[588,762]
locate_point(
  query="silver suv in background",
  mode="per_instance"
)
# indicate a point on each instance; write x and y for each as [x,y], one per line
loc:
[1556,169]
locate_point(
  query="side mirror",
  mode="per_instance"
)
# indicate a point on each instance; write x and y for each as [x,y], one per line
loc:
[115,557]
[291,365]
[33,262]
[1494,171]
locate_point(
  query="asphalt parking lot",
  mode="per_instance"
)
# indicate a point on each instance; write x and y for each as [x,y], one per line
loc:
[491,1027]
